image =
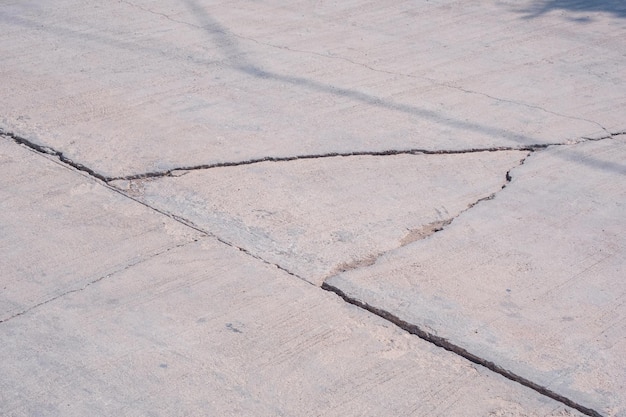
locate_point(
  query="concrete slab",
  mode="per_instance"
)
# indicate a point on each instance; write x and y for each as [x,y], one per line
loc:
[131,87]
[316,217]
[207,330]
[60,231]
[532,280]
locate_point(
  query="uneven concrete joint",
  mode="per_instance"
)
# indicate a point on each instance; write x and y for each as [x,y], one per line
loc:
[53,152]
[445,344]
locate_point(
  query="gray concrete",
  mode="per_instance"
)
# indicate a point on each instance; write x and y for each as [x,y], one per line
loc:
[207,330]
[60,231]
[140,86]
[316,217]
[536,280]
[179,178]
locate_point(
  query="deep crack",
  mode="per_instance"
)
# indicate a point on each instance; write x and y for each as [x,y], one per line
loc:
[179,170]
[426,230]
[53,152]
[447,345]
[410,328]
[175,171]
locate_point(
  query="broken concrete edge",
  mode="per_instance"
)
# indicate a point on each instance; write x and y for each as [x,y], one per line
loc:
[460,351]
[410,328]
[171,172]
[424,232]
[421,234]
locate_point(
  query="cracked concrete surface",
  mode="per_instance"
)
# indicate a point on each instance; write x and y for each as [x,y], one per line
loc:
[46,252]
[317,216]
[536,281]
[190,339]
[121,88]
[175,175]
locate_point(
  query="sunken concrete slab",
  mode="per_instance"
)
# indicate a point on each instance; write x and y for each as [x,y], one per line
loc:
[205,329]
[532,280]
[139,86]
[61,231]
[315,217]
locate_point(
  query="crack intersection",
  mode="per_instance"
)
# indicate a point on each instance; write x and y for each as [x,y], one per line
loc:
[427,231]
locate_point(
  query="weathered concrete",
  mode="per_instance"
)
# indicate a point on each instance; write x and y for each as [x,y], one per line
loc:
[207,330]
[156,96]
[140,86]
[532,280]
[60,231]
[316,217]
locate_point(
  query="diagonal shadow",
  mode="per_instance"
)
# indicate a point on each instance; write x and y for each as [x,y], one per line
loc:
[615,7]
[239,61]
[222,37]
[236,59]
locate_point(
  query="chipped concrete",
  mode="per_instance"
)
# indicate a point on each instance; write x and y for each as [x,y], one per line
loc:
[315,217]
[228,155]
[206,330]
[536,281]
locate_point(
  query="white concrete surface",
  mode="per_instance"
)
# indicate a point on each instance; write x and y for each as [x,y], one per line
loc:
[532,280]
[138,86]
[205,330]
[60,231]
[155,97]
[316,217]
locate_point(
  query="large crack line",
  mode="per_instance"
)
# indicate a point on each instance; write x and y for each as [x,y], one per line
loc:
[170,172]
[207,233]
[427,230]
[410,328]
[141,260]
[451,347]
[391,152]
[53,152]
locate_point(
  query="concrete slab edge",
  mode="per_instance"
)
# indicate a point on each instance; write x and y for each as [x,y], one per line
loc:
[172,172]
[451,347]
[408,327]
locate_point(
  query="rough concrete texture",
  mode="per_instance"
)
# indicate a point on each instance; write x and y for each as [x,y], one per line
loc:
[60,231]
[143,86]
[532,280]
[315,217]
[206,330]
[309,140]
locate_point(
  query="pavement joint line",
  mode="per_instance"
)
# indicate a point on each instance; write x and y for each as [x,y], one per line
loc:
[206,233]
[408,327]
[138,261]
[458,350]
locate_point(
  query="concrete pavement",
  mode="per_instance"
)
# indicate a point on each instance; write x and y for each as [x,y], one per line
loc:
[185,185]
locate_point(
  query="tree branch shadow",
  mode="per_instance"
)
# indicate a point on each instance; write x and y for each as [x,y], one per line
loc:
[616,8]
